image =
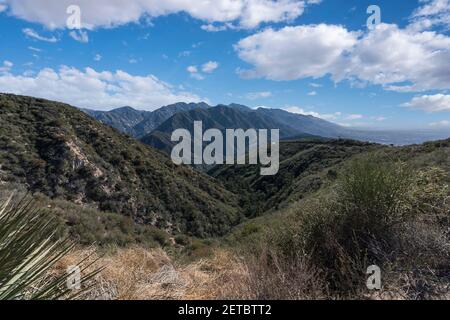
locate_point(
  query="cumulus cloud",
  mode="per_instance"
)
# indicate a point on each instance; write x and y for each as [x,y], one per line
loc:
[99,90]
[34,35]
[430,103]
[108,13]
[397,59]
[301,51]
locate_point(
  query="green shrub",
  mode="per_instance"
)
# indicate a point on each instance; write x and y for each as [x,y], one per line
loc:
[380,213]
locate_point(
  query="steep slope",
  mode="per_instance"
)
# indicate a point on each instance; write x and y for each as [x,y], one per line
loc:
[306,124]
[305,167]
[139,123]
[61,152]
[310,165]
[157,117]
[123,119]
[221,117]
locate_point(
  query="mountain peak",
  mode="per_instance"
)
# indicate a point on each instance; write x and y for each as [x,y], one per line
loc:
[125,108]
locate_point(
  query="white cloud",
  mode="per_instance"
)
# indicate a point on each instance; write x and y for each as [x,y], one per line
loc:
[192,69]
[99,90]
[107,13]
[336,117]
[431,13]
[6,67]
[210,66]
[35,49]
[258,95]
[432,7]
[217,28]
[257,11]
[34,35]
[443,123]
[197,76]
[207,67]
[79,35]
[98,57]
[185,53]
[352,117]
[301,52]
[430,103]
[315,85]
[299,110]
[397,59]
[312,93]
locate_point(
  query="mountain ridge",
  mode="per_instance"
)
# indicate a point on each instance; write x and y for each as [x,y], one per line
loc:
[58,150]
[224,117]
[138,123]
[148,123]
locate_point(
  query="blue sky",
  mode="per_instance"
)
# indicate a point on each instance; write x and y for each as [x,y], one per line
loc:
[312,57]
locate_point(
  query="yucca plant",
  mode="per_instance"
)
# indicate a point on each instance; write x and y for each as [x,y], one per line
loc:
[29,248]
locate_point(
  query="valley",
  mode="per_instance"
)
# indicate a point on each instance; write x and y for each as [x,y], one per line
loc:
[107,188]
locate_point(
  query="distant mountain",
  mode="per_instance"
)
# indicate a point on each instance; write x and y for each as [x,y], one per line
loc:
[59,151]
[157,117]
[139,123]
[155,128]
[305,124]
[240,117]
[123,119]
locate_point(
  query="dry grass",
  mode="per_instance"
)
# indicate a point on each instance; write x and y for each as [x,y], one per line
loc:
[142,274]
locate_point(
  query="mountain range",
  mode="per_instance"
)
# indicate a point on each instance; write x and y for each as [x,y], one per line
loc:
[155,128]
[138,123]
